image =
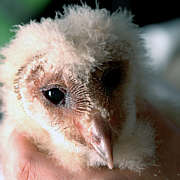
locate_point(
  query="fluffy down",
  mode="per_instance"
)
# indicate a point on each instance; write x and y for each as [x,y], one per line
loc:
[76,48]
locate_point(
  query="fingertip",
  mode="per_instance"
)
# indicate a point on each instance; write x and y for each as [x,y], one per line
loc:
[21,144]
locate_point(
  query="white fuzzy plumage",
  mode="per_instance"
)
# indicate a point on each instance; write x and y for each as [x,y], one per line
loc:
[82,38]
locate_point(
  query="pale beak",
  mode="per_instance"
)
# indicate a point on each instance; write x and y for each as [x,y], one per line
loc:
[97,135]
[101,142]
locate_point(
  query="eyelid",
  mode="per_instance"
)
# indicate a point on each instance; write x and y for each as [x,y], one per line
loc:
[50,86]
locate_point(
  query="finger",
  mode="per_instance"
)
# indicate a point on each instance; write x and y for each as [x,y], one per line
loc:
[17,156]
[25,161]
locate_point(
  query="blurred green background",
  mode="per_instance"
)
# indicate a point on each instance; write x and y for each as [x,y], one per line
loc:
[13,12]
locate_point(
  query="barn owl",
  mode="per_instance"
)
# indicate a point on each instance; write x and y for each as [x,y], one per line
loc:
[71,83]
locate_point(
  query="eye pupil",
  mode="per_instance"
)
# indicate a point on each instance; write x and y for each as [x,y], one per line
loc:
[55,96]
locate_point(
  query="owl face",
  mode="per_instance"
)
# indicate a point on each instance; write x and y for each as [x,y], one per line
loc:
[86,105]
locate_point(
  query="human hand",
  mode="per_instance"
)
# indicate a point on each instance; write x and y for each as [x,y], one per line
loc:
[22,160]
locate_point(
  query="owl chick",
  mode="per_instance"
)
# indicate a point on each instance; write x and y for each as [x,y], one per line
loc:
[71,83]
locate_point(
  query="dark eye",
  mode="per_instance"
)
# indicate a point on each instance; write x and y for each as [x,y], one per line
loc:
[55,96]
[111,78]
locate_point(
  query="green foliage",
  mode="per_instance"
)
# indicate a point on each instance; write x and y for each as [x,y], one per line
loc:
[17,12]
[5,25]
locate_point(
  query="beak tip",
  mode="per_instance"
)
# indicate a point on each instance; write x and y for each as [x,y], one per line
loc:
[110,165]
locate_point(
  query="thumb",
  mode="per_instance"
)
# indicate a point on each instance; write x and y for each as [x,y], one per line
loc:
[24,161]
[17,156]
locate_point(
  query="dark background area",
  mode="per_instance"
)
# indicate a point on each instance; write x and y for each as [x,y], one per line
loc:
[145,11]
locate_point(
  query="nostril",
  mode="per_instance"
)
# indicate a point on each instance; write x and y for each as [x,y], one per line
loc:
[96,139]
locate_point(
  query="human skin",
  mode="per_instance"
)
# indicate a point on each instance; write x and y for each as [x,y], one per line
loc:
[22,160]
